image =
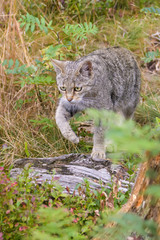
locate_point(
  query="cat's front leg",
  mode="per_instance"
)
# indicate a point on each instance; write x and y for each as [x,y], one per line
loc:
[98,151]
[62,119]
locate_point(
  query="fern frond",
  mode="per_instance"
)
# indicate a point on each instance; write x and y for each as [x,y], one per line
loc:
[80,31]
[150,56]
[151,10]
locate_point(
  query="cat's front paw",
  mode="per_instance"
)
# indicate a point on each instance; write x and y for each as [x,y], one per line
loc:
[98,154]
[71,136]
[74,139]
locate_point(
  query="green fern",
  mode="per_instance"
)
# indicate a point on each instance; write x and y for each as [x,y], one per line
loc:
[150,56]
[80,31]
[151,10]
[30,22]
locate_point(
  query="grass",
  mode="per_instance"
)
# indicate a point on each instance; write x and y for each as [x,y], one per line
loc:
[27,125]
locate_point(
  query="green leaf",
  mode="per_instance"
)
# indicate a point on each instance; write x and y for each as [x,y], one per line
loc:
[52,51]
[80,31]
[43,21]
[38,22]
[32,27]
[45,29]
[27,27]
[41,27]
[37,61]
[9,71]
[151,10]
[24,17]
[28,17]
[16,63]
[130,222]
[22,24]
[10,64]
[151,55]
[49,25]
[42,80]
[23,82]
[154,191]
[125,134]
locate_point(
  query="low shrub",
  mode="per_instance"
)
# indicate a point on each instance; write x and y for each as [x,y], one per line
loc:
[24,203]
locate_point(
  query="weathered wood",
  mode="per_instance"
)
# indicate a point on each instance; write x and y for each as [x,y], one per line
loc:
[72,169]
[139,202]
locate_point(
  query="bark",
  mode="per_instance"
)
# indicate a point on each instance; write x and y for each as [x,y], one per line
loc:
[145,205]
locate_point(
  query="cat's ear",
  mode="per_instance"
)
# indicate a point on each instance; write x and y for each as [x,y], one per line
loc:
[86,69]
[58,65]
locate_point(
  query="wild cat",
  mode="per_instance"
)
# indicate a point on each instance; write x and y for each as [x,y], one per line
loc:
[105,79]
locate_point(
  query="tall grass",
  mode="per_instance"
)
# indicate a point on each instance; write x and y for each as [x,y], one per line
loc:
[27,125]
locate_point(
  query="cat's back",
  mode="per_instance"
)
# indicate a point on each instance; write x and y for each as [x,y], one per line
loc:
[120,64]
[114,55]
[120,76]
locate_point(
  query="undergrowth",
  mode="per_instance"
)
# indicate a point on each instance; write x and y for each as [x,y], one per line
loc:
[42,211]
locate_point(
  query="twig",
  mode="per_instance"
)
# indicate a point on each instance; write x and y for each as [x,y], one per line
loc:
[22,41]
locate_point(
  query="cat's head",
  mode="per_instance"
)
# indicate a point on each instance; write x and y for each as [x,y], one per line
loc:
[74,78]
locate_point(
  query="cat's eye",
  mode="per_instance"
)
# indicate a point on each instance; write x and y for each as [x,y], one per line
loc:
[63,88]
[77,89]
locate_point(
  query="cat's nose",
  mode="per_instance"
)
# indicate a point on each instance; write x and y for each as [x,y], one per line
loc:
[69,98]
